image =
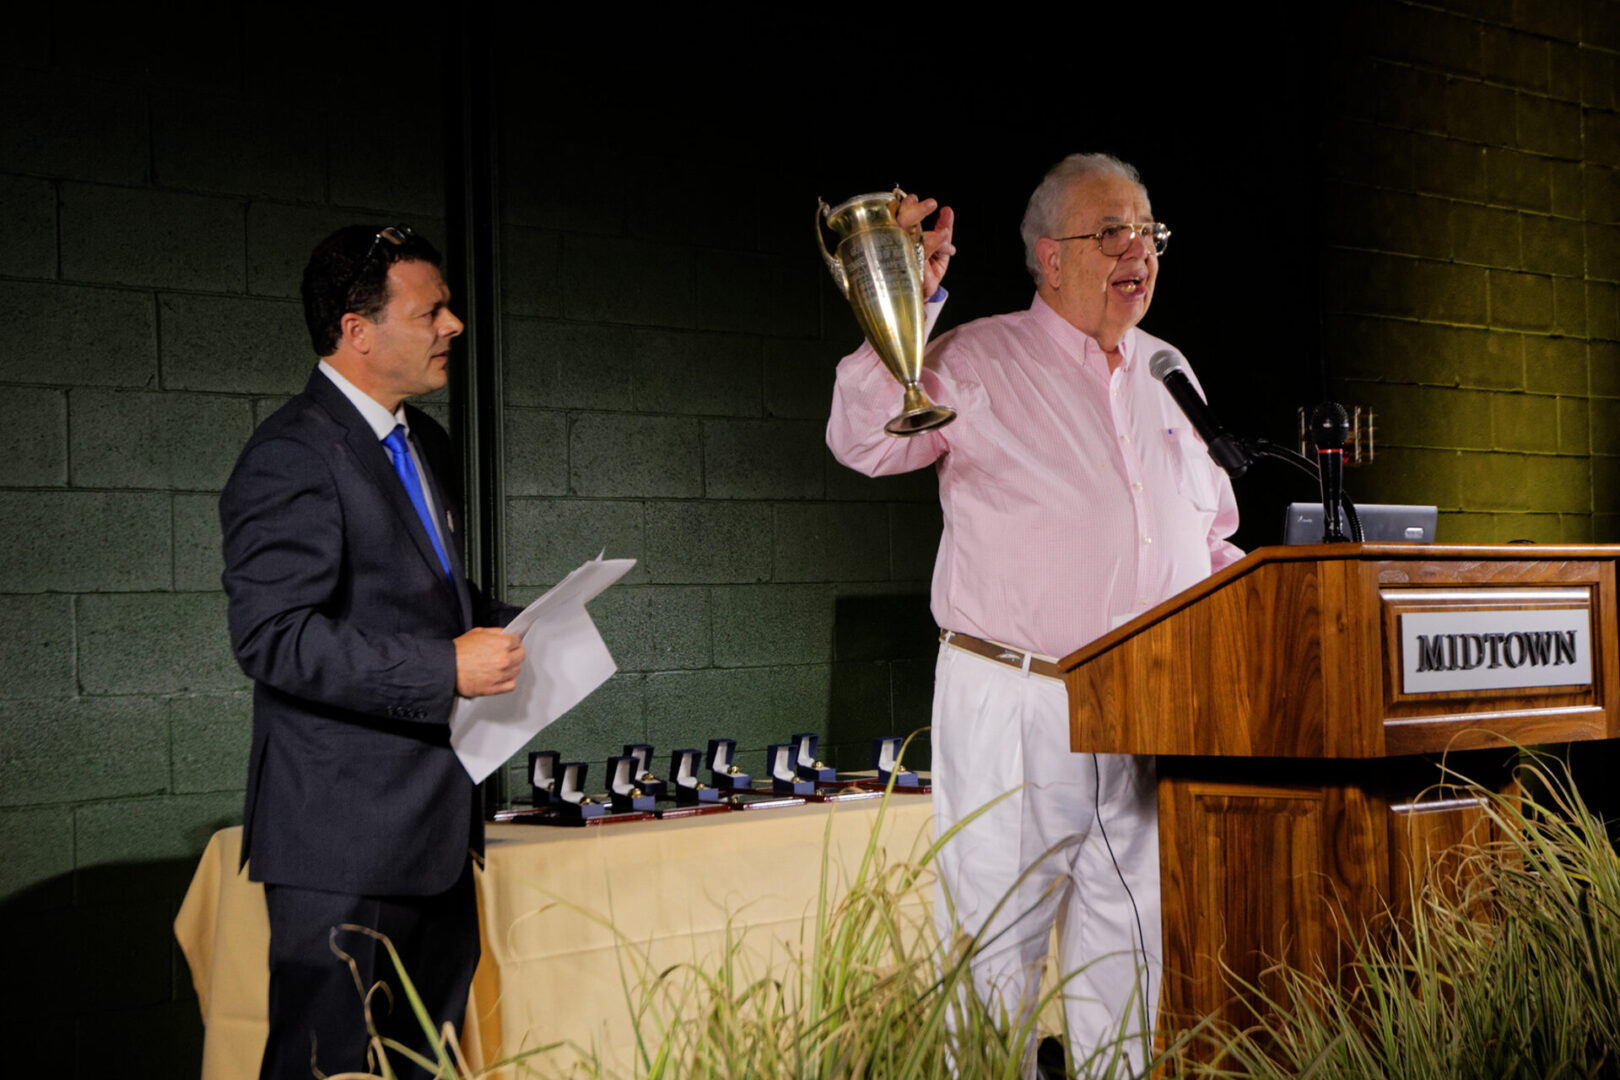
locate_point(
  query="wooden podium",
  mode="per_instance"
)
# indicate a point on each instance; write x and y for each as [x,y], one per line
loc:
[1298,702]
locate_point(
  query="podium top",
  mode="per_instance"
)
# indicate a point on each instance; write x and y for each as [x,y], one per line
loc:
[1314,651]
[1316,553]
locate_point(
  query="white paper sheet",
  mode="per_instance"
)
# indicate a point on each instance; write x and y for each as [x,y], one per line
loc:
[566,660]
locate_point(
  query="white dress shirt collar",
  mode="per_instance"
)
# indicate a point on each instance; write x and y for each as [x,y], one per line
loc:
[378,418]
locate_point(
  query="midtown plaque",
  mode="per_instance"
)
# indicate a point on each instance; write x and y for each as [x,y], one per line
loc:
[1453,650]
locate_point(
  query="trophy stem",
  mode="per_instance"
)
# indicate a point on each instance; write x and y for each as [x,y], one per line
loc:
[918,414]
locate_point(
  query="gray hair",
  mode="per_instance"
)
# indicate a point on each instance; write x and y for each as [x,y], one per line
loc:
[1044,215]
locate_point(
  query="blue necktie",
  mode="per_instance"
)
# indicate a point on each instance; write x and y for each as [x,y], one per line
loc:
[400,451]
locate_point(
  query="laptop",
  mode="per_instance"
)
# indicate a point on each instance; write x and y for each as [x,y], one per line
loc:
[1380,523]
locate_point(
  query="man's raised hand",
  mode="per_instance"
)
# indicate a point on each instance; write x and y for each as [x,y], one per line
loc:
[937,246]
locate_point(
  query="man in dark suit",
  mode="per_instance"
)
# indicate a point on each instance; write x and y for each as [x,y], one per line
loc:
[351,611]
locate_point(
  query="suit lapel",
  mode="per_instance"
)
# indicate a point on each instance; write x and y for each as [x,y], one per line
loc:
[452,549]
[374,457]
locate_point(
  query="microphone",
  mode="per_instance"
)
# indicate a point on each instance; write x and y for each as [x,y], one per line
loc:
[1330,427]
[1170,369]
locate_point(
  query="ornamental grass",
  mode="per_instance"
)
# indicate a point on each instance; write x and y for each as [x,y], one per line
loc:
[1510,968]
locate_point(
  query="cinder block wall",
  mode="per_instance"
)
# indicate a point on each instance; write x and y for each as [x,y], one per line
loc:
[670,339]
[1472,291]
[160,194]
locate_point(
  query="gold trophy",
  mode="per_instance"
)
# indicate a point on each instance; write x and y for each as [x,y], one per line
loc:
[879,269]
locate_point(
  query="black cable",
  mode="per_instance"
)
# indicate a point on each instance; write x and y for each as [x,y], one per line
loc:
[1141,938]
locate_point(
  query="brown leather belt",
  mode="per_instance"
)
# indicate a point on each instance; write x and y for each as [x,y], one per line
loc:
[1000,653]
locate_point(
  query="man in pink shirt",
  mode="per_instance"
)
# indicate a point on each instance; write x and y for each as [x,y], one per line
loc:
[1076,496]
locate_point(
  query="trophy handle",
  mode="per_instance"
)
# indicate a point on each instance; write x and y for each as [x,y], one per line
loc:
[834,267]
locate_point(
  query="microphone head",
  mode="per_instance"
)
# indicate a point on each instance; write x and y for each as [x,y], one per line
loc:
[1164,362]
[1330,425]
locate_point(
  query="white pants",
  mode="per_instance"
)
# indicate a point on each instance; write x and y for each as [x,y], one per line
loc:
[996,728]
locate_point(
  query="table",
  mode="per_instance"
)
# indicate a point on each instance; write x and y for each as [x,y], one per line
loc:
[557,907]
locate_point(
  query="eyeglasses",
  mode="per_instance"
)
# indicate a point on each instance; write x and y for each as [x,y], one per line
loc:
[396,235]
[1116,240]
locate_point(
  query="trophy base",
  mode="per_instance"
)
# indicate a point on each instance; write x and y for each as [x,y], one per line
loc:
[917,421]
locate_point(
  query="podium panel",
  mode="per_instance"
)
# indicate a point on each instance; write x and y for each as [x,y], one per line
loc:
[1246,857]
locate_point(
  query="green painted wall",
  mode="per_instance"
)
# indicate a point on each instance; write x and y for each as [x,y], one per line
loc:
[1471,208]
[668,362]
[159,199]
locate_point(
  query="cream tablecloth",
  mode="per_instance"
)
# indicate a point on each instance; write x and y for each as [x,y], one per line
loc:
[567,914]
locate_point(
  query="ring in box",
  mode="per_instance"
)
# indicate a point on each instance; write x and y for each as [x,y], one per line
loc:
[723,769]
[784,777]
[623,792]
[571,800]
[886,759]
[543,776]
[645,780]
[804,759]
[683,775]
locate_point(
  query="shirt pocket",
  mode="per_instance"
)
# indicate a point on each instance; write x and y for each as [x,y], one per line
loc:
[1192,469]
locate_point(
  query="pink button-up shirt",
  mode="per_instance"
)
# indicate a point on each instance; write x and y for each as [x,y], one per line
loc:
[1074,497]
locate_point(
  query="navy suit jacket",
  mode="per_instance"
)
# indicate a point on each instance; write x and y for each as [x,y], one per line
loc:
[343,617]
